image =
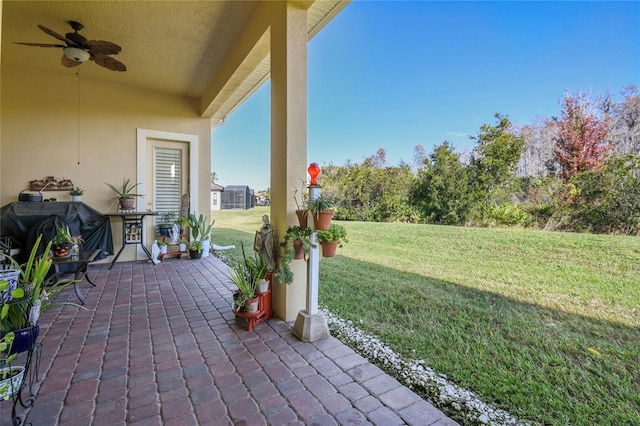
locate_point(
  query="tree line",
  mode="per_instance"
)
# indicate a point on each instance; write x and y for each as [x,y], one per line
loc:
[578,172]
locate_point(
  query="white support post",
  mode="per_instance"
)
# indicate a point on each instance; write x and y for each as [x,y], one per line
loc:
[311,325]
[314,262]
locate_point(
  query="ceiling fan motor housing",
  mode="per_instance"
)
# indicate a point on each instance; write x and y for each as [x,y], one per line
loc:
[76,54]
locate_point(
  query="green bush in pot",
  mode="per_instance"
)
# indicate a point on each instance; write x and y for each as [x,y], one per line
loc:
[200,230]
[334,233]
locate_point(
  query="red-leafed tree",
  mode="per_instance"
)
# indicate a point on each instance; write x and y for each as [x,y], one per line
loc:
[581,143]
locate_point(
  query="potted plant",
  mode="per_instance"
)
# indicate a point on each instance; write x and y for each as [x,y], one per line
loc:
[35,295]
[245,297]
[296,245]
[126,195]
[183,222]
[65,244]
[166,223]
[261,272]
[164,246]
[10,376]
[331,239]
[76,193]
[182,244]
[321,208]
[256,271]
[200,230]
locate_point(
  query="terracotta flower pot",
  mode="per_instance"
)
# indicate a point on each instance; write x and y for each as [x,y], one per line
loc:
[126,203]
[299,250]
[302,217]
[329,248]
[322,220]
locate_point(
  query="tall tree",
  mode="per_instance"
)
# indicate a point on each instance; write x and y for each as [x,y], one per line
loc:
[624,122]
[440,190]
[494,160]
[581,143]
[537,159]
[419,157]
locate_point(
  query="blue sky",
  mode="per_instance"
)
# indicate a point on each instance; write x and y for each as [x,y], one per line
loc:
[394,74]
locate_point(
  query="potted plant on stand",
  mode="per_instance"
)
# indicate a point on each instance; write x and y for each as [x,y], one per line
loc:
[200,231]
[164,246]
[76,194]
[296,245]
[126,195]
[331,239]
[321,208]
[65,244]
[10,376]
[166,223]
[245,299]
[21,314]
[183,222]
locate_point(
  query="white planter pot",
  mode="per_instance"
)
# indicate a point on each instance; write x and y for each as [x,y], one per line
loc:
[182,247]
[163,249]
[252,306]
[206,247]
[11,276]
[11,386]
[263,286]
[76,198]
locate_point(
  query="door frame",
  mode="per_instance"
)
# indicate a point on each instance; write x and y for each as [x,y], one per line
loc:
[143,137]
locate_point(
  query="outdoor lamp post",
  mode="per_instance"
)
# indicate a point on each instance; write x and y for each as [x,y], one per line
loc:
[310,324]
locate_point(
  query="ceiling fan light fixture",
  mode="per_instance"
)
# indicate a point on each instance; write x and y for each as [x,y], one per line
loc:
[76,54]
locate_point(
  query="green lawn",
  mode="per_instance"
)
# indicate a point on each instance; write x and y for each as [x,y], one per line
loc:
[543,325]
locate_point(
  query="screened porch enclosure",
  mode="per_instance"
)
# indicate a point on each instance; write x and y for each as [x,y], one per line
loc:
[238,197]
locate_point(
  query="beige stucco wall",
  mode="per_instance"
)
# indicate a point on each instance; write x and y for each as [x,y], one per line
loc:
[83,130]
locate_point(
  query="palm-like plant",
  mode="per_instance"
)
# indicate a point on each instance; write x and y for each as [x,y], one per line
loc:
[126,189]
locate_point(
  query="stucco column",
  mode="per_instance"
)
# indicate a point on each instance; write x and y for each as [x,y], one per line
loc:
[288,139]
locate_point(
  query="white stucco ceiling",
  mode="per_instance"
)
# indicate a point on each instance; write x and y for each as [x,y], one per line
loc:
[169,46]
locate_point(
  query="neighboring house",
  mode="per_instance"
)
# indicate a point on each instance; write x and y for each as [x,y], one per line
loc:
[216,196]
[238,197]
[189,65]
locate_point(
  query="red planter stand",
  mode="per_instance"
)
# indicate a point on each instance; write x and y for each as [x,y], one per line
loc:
[265,310]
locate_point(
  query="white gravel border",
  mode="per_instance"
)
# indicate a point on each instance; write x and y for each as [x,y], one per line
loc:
[416,375]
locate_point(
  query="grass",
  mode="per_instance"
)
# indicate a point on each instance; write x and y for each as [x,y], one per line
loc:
[544,325]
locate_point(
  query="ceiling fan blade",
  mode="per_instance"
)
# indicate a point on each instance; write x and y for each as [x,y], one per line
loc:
[56,35]
[108,62]
[69,63]
[102,47]
[41,44]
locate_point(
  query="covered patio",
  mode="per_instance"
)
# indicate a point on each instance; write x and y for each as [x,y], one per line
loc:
[160,345]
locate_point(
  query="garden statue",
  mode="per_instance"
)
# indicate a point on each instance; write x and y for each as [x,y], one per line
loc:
[263,243]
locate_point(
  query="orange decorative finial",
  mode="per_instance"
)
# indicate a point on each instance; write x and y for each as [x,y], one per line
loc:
[314,171]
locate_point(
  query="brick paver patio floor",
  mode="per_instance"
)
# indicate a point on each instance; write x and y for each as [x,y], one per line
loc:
[159,345]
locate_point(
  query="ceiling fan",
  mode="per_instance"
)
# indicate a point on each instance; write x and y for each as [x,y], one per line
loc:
[78,49]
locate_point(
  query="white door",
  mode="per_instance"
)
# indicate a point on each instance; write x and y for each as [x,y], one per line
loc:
[167,167]
[167,177]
